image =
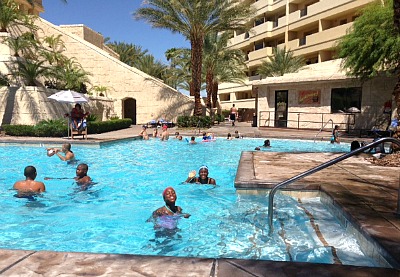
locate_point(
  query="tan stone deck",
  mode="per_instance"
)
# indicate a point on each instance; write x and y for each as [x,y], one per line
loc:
[366,194]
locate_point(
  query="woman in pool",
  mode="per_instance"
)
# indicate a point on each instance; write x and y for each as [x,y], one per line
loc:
[203,177]
[335,135]
[169,209]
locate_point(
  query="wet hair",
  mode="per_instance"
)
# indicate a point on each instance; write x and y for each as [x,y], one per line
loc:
[84,166]
[30,171]
[354,145]
[192,138]
[266,142]
[67,146]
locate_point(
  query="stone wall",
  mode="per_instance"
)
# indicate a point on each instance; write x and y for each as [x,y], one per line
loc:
[153,98]
[29,105]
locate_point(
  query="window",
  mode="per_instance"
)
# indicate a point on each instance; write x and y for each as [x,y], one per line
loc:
[346,100]
[258,45]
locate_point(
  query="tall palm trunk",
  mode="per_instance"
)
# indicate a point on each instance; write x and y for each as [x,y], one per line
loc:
[209,82]
[196,61]
[396,91]
[214,94]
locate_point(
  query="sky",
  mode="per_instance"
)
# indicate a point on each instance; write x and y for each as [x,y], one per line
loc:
[114,19]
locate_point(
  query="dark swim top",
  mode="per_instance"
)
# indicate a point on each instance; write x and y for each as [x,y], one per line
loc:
[201,181]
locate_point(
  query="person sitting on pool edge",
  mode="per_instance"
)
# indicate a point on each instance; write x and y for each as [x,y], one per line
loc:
[169,196]
[203,177]
[29,187]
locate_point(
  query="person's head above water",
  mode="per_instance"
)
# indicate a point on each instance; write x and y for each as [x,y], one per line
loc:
[267,142]
[81,170]
[169,195]
[203,172]
[30,172]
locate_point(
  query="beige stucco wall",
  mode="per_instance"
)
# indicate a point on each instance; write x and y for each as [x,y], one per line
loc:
[374,94]
[154,99]
[29,105]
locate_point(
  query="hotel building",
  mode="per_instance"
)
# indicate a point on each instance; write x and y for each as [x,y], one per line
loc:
[311,29]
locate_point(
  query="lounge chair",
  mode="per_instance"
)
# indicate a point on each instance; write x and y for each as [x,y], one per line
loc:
[75,132]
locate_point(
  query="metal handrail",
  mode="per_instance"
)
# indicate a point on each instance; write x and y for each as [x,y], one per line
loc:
[320,130]
[320,167]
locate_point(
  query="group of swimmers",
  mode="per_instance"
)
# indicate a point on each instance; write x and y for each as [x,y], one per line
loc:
[163,136]
[170,197]
[29,187]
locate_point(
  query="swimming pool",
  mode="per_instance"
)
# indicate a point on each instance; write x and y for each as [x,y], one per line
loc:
[131,175]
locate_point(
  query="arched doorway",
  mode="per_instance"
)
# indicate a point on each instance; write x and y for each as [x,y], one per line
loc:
[130,109]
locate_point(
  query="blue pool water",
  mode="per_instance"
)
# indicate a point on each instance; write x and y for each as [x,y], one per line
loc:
[131,175]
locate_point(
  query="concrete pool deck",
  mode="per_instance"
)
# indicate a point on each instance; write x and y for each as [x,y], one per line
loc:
[366,194]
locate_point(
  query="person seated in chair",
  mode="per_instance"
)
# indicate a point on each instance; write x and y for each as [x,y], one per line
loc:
[77,116]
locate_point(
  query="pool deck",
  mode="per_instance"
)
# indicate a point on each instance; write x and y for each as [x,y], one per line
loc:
[366,195]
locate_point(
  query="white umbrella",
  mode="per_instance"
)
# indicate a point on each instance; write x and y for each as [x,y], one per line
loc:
[69,96]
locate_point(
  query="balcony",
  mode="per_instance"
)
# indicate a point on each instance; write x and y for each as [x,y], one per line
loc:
[238,39]
[318,41]
[331,34]
[261,53]
[260,4]
[262,28]
[318,8]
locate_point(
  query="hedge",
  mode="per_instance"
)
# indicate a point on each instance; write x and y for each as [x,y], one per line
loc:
[55,129]
[194,121]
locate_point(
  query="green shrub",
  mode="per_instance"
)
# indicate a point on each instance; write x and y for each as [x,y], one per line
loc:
[97,127]
[225,113]
[219,117]
[59,128]
[91,117]
[19,130]
[114,117]
[194,121]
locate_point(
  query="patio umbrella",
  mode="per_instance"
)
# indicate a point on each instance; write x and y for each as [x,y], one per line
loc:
[69,96]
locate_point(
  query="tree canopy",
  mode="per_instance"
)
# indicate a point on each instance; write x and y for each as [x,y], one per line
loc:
[372,45]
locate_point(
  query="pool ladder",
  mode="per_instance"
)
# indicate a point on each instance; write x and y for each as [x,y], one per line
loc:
[320,167]
[320,130]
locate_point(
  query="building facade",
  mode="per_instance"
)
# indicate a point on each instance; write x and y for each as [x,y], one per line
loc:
[309,28]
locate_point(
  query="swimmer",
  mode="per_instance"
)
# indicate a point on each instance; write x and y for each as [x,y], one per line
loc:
[192,140]
[29,187]
[143,133]
[165,133]
[169,208]
[335,135]
[267,143]
[155,132]
[69,156]
[203,177]
[229,136]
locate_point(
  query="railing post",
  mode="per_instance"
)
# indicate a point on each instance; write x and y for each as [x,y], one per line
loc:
[398,200]
[298,121]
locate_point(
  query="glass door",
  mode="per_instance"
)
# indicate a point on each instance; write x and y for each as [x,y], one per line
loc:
[281,108]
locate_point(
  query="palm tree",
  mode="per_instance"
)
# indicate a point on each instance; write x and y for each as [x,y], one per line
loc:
[10,14]
[128,53]
[194,20]
[30,71]
[178,73]
[150,66]
[221,64]
[280,63]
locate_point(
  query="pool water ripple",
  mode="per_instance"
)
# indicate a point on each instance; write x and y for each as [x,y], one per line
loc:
[130,176]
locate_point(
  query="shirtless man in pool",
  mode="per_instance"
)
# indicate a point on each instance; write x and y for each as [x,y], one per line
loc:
[29,186]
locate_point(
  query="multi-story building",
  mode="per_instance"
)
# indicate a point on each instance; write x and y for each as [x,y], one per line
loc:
[309,28]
